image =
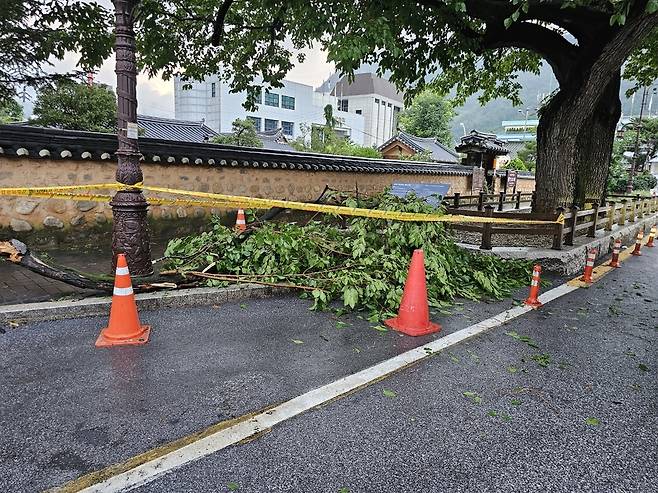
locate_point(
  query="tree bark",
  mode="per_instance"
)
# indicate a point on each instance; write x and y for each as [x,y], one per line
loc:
[595,142]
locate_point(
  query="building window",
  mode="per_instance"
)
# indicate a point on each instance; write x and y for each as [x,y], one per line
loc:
[343,105]
[213,90]
[256,121]
[396,109]
[287,128]
[288,102]
[390,105]
[376,101]
[359,112]
[259,95]
[271,99]
[270,124]
[383,103]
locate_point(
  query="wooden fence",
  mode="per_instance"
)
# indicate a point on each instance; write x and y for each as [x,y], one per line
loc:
[482,199]
[577,222]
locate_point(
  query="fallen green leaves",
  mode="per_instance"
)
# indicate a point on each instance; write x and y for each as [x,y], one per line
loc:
[364,265]
[592,421]
[388,393]
[521,338]
[473,397]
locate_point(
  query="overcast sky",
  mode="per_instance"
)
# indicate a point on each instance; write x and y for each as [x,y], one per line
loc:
[156,96]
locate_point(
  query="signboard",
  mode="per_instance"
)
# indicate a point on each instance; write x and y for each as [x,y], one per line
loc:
[431,192]
[132,131]
[477,182]
[510,179]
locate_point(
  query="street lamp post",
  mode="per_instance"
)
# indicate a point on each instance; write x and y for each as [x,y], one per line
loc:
[463,127]
[130,233]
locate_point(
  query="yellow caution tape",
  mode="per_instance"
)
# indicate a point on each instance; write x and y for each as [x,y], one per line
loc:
[221,200]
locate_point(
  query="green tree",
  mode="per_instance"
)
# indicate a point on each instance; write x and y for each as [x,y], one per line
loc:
[76,106]
[243,133]
[429,115]
[34,33]
[528,155]
[623,156]
[324,140]
[477,46]
[10,111]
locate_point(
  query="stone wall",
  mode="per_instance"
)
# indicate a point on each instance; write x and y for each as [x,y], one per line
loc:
[23,215]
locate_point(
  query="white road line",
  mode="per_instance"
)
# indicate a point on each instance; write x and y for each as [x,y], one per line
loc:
[150,470]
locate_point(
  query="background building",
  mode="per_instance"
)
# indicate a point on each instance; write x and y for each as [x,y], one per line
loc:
[286,108]
[376,99]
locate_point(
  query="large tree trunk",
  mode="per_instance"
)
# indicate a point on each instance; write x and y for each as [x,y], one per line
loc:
[595,143]
[556,154]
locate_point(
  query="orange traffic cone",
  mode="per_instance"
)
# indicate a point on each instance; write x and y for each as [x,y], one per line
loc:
[638,243]
[652,235]
[414,316]
[615,254]
[124,327]
[589,266]
[533,299]
[240,222]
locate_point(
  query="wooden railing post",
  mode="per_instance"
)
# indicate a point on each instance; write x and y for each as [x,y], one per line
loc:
[631,215]
[640,207]
[622,212]
[486,230]
[559,231]
[501,201]
[456,200]
[481,200]
[591,232]
[533,200]
[572,224]
[518,200]
[611,215]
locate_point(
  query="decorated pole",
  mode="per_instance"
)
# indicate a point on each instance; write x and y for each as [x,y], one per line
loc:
[130,233]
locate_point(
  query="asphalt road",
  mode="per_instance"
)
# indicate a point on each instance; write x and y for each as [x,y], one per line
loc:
[68,409]
[574,408]
[484,416]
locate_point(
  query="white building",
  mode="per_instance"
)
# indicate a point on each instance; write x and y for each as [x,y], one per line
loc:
[287,108]
[376,99]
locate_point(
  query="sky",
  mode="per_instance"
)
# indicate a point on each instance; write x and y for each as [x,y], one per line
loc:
[155,96]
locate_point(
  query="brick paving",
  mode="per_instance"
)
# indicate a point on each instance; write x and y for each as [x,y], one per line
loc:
[20,285]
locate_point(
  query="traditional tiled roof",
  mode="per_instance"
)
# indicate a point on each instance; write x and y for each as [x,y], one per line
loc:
[439,152]
[156,127]
[480,141]
[50,143]
[272,139]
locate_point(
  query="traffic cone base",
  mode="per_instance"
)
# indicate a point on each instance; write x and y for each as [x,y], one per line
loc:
[414,315]
[533,303]
[396,324]
[533,300]
[108,341]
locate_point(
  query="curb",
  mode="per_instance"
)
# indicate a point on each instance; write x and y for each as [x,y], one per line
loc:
[97,306]
[571,260]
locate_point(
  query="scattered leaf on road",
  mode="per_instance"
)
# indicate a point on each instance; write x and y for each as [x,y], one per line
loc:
[643,367]
[380,328]
[244,307]
[515,402]
[543,359]
[233,486]
[341,325]
[492,413]
[343,490]
[297,341]
[389,393]
[512,369]
[592,421]
[473,396]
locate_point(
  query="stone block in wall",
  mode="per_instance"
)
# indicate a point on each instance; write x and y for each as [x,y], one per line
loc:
[181,212]
[19,225]
[53,222]
[78,220]
[85,205]
[26,206]
[56,206]
[100,218]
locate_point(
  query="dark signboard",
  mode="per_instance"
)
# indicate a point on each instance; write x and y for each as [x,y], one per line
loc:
[477,182]
[511,179]
[431,192]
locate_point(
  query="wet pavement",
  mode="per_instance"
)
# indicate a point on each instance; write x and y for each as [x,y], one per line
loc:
[68,408]
[573,408]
